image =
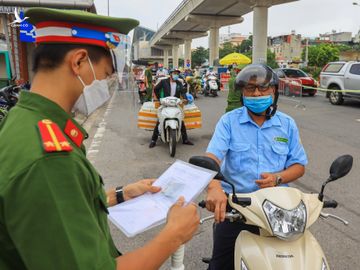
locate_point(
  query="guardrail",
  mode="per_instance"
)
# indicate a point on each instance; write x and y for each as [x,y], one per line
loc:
[292,90]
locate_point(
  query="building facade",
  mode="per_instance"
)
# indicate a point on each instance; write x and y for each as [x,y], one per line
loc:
[336,37]
[287,48]
[234,38]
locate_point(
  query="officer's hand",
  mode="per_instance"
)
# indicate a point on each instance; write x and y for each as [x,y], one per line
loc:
[139,188]
[268,180]
[216,201]
[182,221]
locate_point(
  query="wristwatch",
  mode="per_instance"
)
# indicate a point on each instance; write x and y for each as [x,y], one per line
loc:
[278,180]
[119,194]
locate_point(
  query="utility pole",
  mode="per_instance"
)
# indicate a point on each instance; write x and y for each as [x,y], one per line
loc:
[108,6]
[306,52]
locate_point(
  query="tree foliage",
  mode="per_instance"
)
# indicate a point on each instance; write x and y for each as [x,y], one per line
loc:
[271,62]
[320,55]
[226,49]
[245,46]
[199,56]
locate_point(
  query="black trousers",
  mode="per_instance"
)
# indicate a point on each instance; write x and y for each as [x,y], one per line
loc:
[156,132]
[225,235]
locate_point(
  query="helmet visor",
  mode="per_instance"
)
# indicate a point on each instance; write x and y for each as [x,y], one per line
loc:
[256,75]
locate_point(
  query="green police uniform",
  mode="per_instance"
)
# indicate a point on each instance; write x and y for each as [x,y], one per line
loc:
[234,96]
[148,76]
[53,209]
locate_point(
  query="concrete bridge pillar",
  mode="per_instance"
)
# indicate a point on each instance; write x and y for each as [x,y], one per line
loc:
[214,43]
[166,58]
[175,55]
[187,54]
[260,25]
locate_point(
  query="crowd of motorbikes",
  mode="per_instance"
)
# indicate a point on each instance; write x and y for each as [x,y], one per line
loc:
[9,96]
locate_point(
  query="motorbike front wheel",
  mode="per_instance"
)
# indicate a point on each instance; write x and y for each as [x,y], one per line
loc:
[172,141]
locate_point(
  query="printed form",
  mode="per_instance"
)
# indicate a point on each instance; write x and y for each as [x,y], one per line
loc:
[149,210]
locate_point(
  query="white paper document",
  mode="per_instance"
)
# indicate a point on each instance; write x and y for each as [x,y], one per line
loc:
[149,210]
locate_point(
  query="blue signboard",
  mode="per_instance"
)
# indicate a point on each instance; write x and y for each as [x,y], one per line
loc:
[27,30]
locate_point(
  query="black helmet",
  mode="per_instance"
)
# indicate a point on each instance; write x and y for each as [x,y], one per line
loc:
[174,70]
[259,74]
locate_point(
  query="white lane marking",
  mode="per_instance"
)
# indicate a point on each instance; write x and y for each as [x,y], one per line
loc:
[96,142]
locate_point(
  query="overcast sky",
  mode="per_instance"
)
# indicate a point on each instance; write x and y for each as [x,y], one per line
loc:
[307,17]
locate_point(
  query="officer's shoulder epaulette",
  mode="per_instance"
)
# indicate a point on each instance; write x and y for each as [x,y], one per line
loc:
[53,140]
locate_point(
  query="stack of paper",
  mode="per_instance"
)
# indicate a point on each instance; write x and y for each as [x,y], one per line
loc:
[149,210]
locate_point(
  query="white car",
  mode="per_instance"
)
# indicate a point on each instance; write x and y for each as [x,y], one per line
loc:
[341,76]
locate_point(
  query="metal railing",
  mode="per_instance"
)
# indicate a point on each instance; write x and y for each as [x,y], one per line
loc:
[292,90]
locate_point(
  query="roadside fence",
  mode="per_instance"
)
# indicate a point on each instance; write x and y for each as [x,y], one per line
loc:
[292,90]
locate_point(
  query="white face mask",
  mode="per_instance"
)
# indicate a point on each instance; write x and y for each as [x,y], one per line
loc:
[93,96]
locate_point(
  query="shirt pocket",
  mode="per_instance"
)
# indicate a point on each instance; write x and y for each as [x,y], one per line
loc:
[239,154]
[280,152]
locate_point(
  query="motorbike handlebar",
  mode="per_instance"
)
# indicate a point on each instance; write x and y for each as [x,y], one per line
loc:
[330,204]
[202,204]
[241,201]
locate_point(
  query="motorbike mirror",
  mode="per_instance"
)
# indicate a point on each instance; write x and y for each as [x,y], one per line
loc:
[208,163]
[340,167]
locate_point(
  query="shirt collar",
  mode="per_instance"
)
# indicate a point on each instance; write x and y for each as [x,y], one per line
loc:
[48,109]
[245,117]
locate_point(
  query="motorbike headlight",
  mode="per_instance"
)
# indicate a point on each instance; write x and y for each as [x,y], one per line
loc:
[323,266]
[286,224]
[243,265]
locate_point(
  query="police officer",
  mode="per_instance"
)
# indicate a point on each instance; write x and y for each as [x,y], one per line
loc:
[259,147]
[148,81]
[53,208]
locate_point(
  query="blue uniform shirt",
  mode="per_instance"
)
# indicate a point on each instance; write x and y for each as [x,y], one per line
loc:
[248,150]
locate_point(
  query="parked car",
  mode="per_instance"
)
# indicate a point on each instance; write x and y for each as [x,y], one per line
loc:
[294,74]
[341,76]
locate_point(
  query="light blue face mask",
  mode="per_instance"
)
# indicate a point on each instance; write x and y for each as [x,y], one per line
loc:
[175,77]
[258,104]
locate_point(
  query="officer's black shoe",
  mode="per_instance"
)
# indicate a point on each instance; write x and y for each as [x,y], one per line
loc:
[152,144]
[187,142]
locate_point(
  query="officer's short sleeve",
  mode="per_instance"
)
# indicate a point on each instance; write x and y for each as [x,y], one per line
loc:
[220,141]
[50,216]
[297,153]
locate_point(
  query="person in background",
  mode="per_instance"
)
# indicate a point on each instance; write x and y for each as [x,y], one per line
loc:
[170,87]
[234,96]
[148,82]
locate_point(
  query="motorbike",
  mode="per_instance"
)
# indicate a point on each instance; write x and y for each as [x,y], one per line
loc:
[194,86]
[170,116]
[9,96]
[283,215]
[211,86]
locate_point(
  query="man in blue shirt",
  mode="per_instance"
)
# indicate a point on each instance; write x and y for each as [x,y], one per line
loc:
[257,147]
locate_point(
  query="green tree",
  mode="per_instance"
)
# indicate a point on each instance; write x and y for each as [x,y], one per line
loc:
[245,46]
[320,55]
[271,62]
[199,56]
[226,49]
